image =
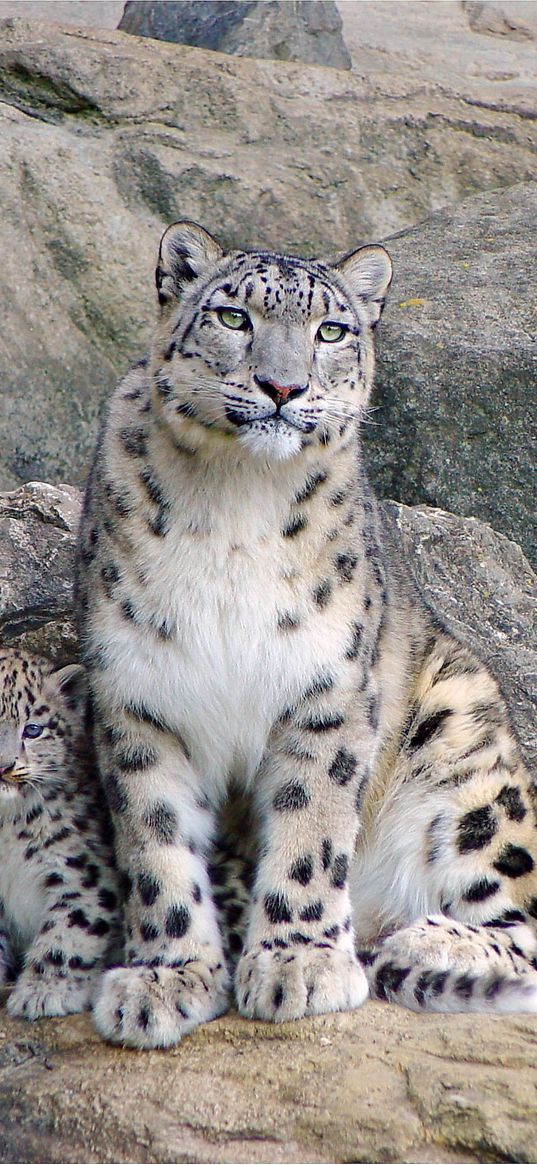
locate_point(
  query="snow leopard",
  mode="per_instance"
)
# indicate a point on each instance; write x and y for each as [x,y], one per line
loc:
[60,917]
[316,789]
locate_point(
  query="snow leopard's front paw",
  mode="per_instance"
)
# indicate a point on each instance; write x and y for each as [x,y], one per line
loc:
[153,1007]
[288,984]
[35,996]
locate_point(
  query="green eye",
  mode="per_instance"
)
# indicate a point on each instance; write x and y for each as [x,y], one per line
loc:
[234,318]
[331,333]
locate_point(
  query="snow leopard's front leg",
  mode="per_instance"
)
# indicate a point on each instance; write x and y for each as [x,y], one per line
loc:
[299,954]
[175,976]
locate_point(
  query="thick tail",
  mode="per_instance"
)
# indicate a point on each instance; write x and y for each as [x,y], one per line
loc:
[441,965]
[427,989]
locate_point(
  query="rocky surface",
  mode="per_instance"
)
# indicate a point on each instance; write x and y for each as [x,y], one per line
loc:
[38,525]
[106,137]
[303,31]
[457,365]
[380,1084]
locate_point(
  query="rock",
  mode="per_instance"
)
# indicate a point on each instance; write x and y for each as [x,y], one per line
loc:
[307,30]
[105,138]
[458,365]
[379,1084]
[494,20]
[38,526]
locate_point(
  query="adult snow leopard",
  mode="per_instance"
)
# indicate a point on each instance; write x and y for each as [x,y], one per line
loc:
[269,691]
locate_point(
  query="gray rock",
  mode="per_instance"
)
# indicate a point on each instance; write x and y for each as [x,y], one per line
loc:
[458,365]
[38,526]
[377,1084]
[306,30]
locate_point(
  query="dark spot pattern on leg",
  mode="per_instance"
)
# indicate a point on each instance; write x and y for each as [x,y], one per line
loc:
[136,759]
[514,861]
[162,821]
[149,889]
[177,921]
[476,829]
[428,728]
[322,593]
[343,767]
[327,853]
[511,800]
[291,796]
[480,890]
[340,870]
[312,912]
[302,870]
[277,908]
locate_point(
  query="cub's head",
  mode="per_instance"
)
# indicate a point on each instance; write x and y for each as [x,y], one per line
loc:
[42,714]
[274,351]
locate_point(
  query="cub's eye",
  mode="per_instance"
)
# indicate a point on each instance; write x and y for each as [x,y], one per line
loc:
[331,333]
[32,730]
[234,318]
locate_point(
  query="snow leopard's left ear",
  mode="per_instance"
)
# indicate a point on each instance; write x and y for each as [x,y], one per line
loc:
[368,274]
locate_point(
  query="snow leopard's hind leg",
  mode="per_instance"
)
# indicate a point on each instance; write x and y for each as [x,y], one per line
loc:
[453,850]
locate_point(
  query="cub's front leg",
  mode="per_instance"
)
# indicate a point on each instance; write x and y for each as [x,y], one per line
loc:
[299,954]
[175,977]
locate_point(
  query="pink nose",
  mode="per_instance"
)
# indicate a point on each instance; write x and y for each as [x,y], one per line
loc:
[280,393]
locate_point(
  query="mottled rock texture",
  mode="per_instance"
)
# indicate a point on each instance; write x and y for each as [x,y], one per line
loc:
[306,30]
[106,137]
[380,1084]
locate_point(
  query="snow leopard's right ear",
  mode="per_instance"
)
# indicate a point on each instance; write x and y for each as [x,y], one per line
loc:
[185,252]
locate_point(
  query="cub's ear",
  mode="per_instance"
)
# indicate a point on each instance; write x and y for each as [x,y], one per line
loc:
[368,274]
[71,683]
[185,252]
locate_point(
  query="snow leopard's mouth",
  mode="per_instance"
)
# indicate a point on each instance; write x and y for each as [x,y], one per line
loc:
[270,422]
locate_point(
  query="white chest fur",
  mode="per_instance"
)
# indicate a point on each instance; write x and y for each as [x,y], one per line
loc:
[224,580]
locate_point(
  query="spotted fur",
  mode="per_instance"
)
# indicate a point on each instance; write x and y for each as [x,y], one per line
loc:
[300,762]
[60,919]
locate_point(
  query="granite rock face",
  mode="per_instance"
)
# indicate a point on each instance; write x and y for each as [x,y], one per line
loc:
[306,30]
[38,527]
[457,367]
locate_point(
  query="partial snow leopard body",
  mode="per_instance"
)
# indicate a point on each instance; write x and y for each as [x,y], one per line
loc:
[270,694]
[60,921]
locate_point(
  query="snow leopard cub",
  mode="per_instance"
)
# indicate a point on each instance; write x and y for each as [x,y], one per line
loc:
[262,669]
[59,916]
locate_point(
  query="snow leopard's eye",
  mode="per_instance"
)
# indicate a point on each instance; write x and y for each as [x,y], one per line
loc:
[234,318]
[31,731]
[331,333]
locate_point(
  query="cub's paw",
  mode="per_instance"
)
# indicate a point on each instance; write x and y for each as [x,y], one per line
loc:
[153,1007]
[282,985]
[34,997]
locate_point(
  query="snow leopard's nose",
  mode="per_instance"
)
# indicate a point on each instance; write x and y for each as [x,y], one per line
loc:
[280,393]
